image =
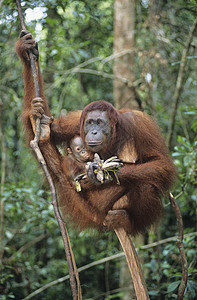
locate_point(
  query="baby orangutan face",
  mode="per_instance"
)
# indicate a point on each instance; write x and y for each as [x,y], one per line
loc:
[78,149]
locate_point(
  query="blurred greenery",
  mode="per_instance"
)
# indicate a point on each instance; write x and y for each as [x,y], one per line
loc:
[75,38]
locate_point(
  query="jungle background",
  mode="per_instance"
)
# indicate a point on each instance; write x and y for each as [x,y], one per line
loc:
[84,56]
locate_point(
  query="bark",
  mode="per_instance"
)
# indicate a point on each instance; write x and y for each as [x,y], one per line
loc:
[124,39]
[125,95]
[2,182]
[134,267]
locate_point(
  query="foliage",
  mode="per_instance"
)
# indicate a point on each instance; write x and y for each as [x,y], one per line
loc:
[75,38]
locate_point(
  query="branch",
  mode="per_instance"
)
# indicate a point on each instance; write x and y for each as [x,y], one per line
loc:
[62,279]
[150,101]
[164,241]
[117,55]
[3,170]
[76,289]
[183,283]
[133,264]
[179,84]
[107,75]
[68,250]
[102,261]
[26,246]
[1,2]
[80,69]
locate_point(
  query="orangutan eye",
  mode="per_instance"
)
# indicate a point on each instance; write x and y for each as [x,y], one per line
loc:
[78,149]
[90,122]
[100,122]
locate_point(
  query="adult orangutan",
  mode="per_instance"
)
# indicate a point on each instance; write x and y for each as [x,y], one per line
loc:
[147,172]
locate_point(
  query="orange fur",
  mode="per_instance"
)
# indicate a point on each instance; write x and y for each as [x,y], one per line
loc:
[147,173]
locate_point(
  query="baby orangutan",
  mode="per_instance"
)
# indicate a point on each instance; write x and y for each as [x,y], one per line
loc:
[78,150]
[75,161]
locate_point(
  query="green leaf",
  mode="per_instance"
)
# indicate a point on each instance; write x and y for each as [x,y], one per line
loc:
[154,293]
[173,286]
[192,287]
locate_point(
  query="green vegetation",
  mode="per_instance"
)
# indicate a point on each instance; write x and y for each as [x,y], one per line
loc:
[75,38]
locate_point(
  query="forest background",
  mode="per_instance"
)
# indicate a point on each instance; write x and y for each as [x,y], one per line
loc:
[78,45]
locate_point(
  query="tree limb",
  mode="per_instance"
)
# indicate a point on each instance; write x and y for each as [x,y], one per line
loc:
[74,278]
[26,246]
[179,84]
[102,261]
[3,170]
[183,284]
[133,264]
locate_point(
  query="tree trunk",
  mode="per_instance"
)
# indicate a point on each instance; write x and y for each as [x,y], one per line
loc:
[125,95]
[124,39]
